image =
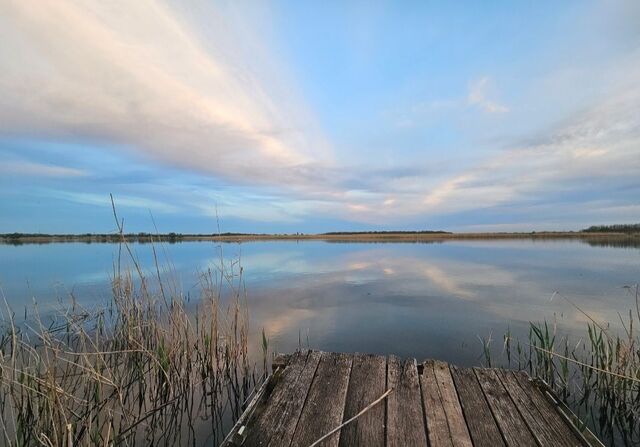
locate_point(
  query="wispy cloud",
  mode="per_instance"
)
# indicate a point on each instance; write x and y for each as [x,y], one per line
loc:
[104,200]
[148,79]
[478,91]
[591,152]
[39,169]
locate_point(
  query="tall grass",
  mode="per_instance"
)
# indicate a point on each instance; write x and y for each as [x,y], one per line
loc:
[597,375]
[151,367]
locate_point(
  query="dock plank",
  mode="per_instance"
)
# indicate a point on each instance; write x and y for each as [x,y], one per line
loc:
[293,406]
[564,434]
[311,393]
[405,421]
[542,431]
[480,421]
[285,402]
[261,425]
[325,403]
[366,384]
[514,430]
[446,425]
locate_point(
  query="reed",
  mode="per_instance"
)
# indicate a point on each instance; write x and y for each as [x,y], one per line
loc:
[152,367]
[597,375]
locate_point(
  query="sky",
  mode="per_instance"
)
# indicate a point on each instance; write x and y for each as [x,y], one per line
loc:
[286,116]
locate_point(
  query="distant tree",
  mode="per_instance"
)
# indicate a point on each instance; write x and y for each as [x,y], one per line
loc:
[618,228]
[341,233]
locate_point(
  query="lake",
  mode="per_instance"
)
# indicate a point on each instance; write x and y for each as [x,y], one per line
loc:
[426,300]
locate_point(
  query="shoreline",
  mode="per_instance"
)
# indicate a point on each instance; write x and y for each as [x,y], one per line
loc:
[346,237]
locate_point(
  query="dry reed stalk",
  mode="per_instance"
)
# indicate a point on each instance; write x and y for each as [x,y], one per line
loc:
[143,369]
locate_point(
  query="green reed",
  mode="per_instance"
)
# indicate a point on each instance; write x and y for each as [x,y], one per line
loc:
[598,376]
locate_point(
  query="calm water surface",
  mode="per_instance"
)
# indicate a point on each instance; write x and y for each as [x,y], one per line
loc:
[427,300]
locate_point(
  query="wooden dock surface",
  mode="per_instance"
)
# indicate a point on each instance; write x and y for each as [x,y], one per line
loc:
[312,393]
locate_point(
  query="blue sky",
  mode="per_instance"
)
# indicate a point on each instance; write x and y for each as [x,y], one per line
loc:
[318,116]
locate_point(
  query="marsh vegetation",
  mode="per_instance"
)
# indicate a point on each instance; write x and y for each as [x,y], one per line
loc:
[151,367]
[597,375]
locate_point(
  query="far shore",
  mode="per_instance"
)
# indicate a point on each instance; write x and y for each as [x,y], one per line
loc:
[18,239]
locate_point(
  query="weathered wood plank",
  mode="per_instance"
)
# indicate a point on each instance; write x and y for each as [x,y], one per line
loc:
[366,384]
[289,392]
[480,421]
[292,409]
[513,428]
[261,424]
[446,426]
[530,414]
[312,393]
[325,403]
[563,434]
[405,420]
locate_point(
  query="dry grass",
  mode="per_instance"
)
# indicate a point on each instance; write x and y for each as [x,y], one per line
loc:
[142,370]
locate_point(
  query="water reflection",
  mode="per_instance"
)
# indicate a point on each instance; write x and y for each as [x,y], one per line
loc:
[422,300]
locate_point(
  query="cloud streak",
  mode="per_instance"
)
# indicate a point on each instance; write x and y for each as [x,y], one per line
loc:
[120,201]
[146,78]
[39,170]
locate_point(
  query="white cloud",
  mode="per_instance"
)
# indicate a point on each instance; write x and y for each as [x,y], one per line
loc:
[478,97]
[141,74]
[39,169]
[600,143]
[603,142]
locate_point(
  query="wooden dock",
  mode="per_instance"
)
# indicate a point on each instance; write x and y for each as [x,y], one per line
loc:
[312,393]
